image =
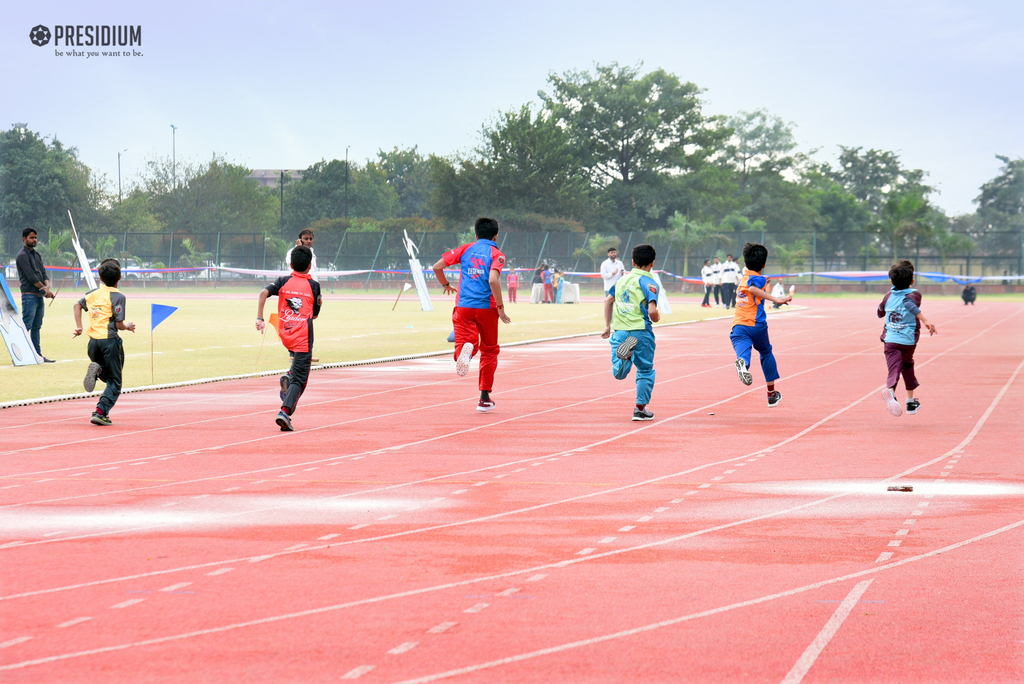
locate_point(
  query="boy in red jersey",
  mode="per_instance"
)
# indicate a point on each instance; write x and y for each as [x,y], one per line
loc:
[478,306]
[298,304]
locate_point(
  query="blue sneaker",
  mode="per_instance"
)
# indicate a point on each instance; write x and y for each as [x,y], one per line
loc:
[285,421]
[625,350]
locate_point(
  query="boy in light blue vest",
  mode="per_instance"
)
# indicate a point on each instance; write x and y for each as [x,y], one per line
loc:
[901,308]
[629,309]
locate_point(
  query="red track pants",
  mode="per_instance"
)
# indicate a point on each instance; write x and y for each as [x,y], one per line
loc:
[478,327]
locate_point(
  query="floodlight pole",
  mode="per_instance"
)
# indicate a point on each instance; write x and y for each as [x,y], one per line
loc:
[174,157]
[346,182]
[119,175]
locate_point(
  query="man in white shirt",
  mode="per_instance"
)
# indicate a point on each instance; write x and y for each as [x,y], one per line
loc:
[305,239]
[705,277]
[612,269]
[716,279]
[730,279]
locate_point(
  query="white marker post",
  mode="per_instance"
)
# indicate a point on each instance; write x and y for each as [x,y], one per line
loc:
[417,274]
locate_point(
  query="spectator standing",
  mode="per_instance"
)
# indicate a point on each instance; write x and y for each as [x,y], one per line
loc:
[716,280]
[306,238]
[705,277]
[35,287]
[556,284]
[549,291]
[730,279]
[611,269]
[513,285]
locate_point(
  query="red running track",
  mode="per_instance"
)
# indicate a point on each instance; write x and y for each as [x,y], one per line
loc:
[399,536]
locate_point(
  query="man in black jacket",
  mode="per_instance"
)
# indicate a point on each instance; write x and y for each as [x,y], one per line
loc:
[35,287]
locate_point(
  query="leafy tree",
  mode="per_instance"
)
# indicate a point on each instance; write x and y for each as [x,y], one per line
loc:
[208,198]
[791,255]
[902,217]
[628,126]
[689,236]
[408,172]
[105,247]
[596,248]
[322,194]
[39,182]
[947,243]
[57,250]
[1001,207]
[760,142]
[133,215]
[873,175]
[277,248]
[193,255]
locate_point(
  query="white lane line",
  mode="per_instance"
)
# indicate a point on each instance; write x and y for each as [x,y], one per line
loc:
[691,492]
[923,504]
[358,672]
[48,479]
[176,587]
[257,559]
[729,472]
[477,608]
[675,501]
[231,489]
[18,485]
[443,627]
[500,475]
[360,526]
[78,474]
[478,484]
[895,542]
[287,475]
[627,528]
[111,468]
[909,521]
[15,642]
[328,536]
[916,513]
[387,517]
[72,623]
[460,491]
[54,534]
[402,648]
[129,602]
[902,533]
[536,578]
[884,556]
[296,547]
[717,479]
[219,571]
[199,496]
[508,592]
[645,518]
[662,509]
[585,552]
[12,544]
[796,675]
[703,486]
[306,470]
[607,540]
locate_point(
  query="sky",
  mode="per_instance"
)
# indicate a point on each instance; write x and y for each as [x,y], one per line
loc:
[274,85]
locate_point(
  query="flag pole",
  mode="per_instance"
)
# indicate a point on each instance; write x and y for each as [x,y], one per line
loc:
[263,338]
[152,376]
[402,291]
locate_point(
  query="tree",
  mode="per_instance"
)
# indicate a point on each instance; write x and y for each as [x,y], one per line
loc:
[408,172]
[760,142]
[39,182]
[947,242]
[322,194]
[193,256]
[902,216]
[596,247]
[1001,208]
[689,236]
[628,126]
[55,251]
[133,215]
[791,255]
[208,198]
[874,175]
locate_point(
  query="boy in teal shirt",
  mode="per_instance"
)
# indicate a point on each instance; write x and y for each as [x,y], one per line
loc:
[629,310]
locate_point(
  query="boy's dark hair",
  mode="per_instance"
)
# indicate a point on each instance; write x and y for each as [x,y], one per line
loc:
[306,231]
[728,256]
[902,274]
[755,256]
[110,272]
[707,261]
[643,255]
[302,257]
[612,249]
[486,228]
[28,231]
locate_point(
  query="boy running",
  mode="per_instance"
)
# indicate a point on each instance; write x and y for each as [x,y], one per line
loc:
[478,306]
[298,305]
[901,308]
[106,316]
[749,323]
[629,310]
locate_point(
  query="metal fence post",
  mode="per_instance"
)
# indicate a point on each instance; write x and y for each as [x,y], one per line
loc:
[541,255]
[216,275]
[583,247]
[814,260]
[369,275]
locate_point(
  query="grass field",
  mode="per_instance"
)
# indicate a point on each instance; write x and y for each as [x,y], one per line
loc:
[213,334]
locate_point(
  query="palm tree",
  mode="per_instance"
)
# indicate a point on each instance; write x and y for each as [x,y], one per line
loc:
[791,255]
[596,247]
[193,256]
[946,243]
[902,217]
[54,252]
[688,236]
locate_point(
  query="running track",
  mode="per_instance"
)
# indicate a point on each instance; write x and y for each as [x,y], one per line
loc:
[399,536]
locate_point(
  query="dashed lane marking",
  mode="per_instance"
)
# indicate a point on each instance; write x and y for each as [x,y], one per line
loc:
[72,623]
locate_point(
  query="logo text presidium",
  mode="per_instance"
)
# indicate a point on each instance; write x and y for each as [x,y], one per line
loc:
[84,36]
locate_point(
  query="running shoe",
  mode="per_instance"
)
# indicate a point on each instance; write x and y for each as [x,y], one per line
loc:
[741,370]
[285,421]
[284,387]
[46,360]
[642,414]
[890,402]
[100,419]
[90,376]
[485,405]
[912,406]
[462,363]
[625,350]
[774,398]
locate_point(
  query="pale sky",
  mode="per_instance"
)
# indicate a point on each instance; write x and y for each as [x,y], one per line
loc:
[283,85]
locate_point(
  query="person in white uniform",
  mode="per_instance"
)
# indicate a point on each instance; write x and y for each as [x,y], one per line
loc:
[730,279]
[716,279]
[705,277]
[306,239]
[611,269]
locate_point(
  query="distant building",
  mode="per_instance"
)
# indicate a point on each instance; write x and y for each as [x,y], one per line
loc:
[269,178]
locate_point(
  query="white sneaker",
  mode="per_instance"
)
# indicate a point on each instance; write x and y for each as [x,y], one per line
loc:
[465,356]
[891,403]
[741,370]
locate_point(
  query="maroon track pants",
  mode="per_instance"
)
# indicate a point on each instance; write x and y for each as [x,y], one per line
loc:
[478,327]
[900,360]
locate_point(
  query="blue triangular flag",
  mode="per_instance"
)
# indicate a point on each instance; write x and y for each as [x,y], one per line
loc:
[159,313]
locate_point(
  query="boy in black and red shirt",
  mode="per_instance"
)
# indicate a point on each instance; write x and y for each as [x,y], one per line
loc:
[298,304]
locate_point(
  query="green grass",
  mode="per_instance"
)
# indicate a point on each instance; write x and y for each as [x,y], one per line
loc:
[213,334]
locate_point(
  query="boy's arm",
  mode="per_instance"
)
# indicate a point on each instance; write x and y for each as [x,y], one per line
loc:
[758,292]
[881,306]
[924,321]
[652,312]
[260,324]
[494,280]
[609,302]
[441,278]
[121,325]
[78,320]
